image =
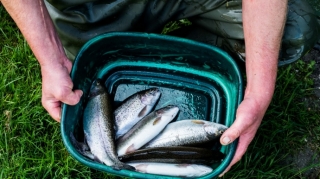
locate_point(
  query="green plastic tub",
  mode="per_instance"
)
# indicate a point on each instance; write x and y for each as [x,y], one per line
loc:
[202,80]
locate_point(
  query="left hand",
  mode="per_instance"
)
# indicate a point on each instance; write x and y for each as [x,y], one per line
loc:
[248,119]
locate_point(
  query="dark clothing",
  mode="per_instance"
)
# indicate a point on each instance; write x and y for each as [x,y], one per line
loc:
[217,22]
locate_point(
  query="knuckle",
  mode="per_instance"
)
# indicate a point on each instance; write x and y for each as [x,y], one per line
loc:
[61,93]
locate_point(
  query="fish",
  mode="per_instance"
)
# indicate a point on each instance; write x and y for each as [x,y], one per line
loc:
[146,129]
[178,154]
[171,169]
[187,132]
[98,126]
[81,147]
[133,109]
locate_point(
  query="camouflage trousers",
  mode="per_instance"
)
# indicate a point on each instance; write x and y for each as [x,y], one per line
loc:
[216,22]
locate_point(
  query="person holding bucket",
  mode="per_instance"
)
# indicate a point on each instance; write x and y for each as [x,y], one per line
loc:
[264,34]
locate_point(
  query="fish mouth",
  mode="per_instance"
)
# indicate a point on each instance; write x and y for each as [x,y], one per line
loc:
[151,96]
[221,130]
[95,84]
[170,110]
[216,131]
[153,91]
[96,88]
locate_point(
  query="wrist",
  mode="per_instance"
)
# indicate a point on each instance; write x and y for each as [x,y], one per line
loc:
[261,78]
[261,95]
[53,66]
[54,62]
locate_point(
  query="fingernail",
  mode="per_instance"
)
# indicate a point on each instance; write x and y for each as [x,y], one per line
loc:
[221,175]
[60,115]
[226,140]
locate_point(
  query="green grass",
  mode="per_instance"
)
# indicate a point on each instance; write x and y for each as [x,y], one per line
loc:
[315,4]
[286,127]
[30,141]
[31,144]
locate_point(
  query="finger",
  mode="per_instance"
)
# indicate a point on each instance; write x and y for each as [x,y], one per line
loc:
[53,108]
[241,149]
[55,113]
[235,130]
[245,117]
[71,98]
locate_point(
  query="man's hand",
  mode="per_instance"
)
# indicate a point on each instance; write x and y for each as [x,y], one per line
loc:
[263,24]
[34,22]
[57,87]
[248,119]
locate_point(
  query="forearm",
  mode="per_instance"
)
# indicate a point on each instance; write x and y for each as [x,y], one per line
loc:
[263,23]
[34,22]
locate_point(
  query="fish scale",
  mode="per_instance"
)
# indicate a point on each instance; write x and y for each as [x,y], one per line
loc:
[146,129]
[179,170]
[187,132]
[98,128]
[177,154]
[133,109]
[96,125]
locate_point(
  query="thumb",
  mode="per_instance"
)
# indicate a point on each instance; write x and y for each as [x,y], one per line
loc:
[230,135]
[72,98]
[245,118]
[243,122]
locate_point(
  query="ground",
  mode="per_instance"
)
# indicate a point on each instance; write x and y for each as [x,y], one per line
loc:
[309,155]
[315,55]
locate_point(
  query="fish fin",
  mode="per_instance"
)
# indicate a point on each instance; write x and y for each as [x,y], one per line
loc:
[142,168]
[183,165]
[74,141]
[85,147]
[89,155]
[95,158]
[143,112]
[198,122]
[156,121]
[115,167]
[78,145]
[115,128]
[82,148]
[130,149]
[123,166]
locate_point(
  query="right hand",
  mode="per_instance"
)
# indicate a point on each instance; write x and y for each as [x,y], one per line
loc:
[57,88]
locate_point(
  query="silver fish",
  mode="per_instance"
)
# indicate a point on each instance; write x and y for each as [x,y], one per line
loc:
[187,133]
[146,129]
[133,109]
[98,128]
[169,169]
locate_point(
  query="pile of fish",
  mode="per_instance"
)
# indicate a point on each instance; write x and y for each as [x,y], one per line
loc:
[133,137]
